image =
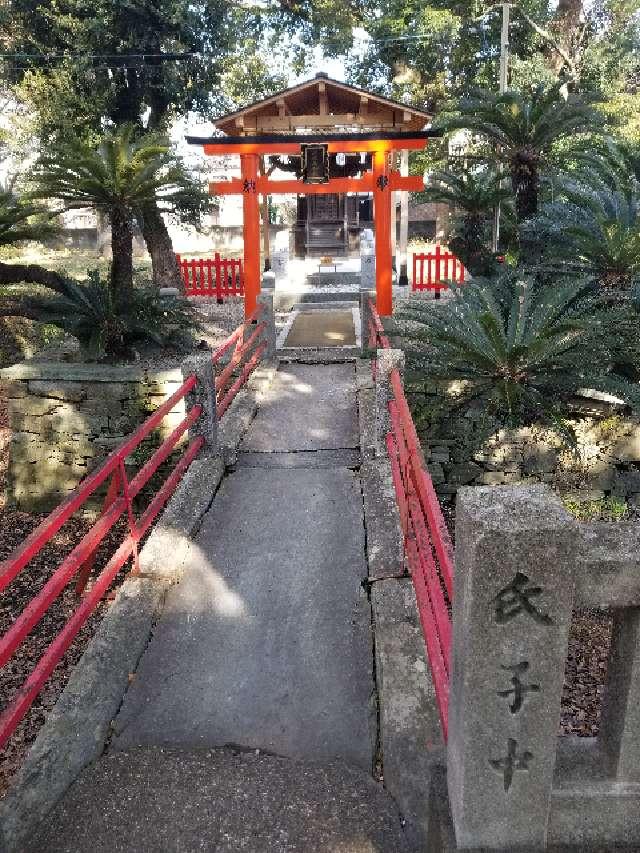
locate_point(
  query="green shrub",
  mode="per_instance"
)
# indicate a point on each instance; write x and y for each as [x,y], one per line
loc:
[602,509]
[516,350]
[108,326]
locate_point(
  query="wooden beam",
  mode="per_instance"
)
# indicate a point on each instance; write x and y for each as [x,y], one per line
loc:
[382,226]
[335,146]
[251,232]
[324,106]
[407,184]
[282,107]
[290,122]
[222,147]
[403,277]
[294,187]
[266,186]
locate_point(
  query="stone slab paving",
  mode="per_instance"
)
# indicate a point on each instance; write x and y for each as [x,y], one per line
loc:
[266,643]
[225,801]
[322,329]
[346,458]
[308,407]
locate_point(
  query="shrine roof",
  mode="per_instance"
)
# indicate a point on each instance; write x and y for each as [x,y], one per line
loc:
[323,105]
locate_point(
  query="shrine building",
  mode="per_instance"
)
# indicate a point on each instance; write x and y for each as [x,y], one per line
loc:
[347,151]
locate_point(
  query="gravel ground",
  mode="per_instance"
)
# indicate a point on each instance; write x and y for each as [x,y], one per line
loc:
[220,320]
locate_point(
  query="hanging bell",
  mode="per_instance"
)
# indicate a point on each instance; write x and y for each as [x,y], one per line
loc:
[315,164]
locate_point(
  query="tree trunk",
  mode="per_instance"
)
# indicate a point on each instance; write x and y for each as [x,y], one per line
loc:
[524,180]
[30,273]
[121,282]
[166,272]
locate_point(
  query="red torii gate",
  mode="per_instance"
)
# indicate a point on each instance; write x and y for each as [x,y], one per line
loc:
[381,181]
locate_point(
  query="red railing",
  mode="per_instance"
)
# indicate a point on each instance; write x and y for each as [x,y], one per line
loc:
[79,561]
[426,539]
[216,277]
[434,270]
[121,492]
[244,359]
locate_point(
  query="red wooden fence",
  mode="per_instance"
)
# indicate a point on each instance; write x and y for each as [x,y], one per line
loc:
[426,539]
[433,270]
[217,277]
[119,502]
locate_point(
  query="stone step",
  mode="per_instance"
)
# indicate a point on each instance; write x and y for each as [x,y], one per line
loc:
[226,800]
[324,306]
[284,300]
[328,278]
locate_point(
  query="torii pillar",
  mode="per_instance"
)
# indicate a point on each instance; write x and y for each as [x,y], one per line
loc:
[382,222]
[251,230]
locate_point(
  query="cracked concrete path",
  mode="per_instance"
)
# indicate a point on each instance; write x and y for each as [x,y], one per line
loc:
[266,643]
[250,722]
[308,407]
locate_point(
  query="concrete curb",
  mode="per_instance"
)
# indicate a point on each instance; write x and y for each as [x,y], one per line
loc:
[319,355]
[410,736]
[385,551]
[235,423]
[410,733]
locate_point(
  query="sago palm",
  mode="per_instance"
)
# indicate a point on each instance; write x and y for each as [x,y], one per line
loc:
[118,177]
[524,128]
[474,195]
[21,220]
[104,324]
[521,350]
[594,228]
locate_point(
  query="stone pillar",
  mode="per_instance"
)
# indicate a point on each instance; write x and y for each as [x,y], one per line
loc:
[269,319]
[204,395]
[280,257]
[268,280]
[512,608]
[367,261]
[387,360]
[621,706]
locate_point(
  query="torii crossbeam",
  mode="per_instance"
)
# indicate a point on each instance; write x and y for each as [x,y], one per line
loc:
[381,181]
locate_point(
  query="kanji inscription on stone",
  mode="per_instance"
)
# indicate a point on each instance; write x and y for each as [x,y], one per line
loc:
[519,689]
[515,599]
[512,761]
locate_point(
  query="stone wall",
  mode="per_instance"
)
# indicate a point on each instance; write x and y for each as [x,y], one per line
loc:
[65,418]
[605,462]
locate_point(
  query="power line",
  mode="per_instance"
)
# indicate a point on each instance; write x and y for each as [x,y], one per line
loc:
[48,56]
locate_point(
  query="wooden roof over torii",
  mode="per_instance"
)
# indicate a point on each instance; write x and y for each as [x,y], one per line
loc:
[316,119]
[322,105]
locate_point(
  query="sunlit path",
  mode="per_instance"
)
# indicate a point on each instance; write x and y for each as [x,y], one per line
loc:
[266,642]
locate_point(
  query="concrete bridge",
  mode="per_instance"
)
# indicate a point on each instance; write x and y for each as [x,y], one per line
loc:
[275,674]
[262,683]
